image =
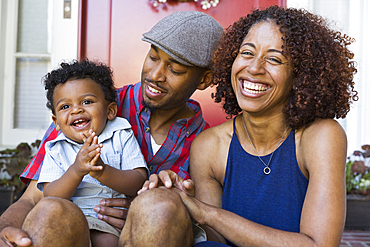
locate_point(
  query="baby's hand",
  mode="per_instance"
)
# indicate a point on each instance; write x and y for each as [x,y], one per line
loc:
[88,158]
[97,173]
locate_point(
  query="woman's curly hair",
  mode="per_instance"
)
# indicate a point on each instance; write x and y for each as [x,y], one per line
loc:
[323,84]
[98,72]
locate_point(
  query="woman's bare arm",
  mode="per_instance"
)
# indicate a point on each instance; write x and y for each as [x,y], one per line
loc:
[321,152]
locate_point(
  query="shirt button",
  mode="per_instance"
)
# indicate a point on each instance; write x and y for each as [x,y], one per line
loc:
[150,168]
[147,129]
[187,132]
[146,109]
[137,112]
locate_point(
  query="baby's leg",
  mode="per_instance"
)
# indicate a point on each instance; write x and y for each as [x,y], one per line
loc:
[103,239]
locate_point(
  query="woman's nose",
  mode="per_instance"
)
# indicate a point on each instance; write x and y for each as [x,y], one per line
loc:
[256,66]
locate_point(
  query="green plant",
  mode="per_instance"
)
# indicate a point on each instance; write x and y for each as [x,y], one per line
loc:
[358,172]
[15,161]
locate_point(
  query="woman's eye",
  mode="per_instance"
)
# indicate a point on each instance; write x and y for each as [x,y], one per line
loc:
[246,53]
[274,60]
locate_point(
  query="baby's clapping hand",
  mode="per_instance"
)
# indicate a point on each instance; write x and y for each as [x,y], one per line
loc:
[97,173]
[88,158]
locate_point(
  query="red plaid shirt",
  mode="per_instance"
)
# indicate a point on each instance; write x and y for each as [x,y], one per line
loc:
[174,152]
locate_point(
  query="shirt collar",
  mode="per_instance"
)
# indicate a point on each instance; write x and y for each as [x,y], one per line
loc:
[112,125]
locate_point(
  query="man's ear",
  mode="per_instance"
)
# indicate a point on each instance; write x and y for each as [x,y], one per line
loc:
[55,122]
[112,110]
[205,80]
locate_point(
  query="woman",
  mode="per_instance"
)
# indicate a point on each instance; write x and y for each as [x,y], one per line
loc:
[274,174]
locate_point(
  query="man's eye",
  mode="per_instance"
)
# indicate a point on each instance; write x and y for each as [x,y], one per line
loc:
[153,58]
[175,72]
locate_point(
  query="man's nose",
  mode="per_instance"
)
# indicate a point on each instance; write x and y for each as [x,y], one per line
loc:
[157,73]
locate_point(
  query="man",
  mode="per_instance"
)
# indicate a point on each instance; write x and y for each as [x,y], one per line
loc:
[164,122]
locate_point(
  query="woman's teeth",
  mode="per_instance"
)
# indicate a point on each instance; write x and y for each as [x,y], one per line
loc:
[253,88]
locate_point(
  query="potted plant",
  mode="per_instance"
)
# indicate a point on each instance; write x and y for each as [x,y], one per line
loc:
[358,189]
[12,164]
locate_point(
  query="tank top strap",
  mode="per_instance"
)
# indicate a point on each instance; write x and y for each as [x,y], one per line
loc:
[234,124]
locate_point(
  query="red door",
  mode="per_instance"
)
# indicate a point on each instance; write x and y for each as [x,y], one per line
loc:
[111,31]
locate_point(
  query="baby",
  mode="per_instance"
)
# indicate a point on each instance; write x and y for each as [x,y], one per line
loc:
[96,155]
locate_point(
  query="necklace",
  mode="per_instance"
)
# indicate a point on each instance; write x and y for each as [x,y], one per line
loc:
[267,169]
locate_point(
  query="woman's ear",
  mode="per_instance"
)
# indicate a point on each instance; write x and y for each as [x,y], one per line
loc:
[55,122]
[205,80]
[112,110]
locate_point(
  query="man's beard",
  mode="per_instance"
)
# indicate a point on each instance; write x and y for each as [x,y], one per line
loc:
[150,107]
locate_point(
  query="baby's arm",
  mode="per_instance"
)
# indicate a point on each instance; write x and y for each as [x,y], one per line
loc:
[127,182]
[130,176]
[86,159]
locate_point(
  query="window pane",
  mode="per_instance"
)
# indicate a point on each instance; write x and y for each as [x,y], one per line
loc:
[32,26]
[336,11]
[30,100]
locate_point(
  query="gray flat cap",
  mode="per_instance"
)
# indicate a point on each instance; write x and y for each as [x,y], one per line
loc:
[190,37]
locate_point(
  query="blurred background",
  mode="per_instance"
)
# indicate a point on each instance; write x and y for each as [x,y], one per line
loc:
[36,35]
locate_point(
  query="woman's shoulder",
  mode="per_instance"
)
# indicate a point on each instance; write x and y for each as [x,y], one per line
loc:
[320,141]
[220,132]
[321,128]
[216,139]
[209,150]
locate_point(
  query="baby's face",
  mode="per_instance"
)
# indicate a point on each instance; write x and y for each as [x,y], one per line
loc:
[80,106]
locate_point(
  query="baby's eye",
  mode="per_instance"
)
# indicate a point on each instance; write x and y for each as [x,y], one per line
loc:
[86,102]
[63,107]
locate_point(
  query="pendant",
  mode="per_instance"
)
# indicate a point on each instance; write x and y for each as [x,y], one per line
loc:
[267,170]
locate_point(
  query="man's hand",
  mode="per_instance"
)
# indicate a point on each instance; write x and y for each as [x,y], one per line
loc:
[11,236]
[170,180]
[114,216]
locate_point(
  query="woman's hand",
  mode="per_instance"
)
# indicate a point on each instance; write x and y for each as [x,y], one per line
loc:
[114,216]
[195,207]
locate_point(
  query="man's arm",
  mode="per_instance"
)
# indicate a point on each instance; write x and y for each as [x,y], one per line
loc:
[15,215]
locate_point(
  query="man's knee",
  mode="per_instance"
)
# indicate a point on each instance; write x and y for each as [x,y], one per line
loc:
[161,206]
[157,218]
[56,221]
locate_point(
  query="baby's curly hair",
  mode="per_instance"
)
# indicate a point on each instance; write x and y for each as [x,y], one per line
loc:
[323,84]
[96,71]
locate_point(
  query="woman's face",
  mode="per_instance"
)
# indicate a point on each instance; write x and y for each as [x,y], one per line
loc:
[261,75]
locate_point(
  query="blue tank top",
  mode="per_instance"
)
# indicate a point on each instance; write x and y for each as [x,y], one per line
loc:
[273,200]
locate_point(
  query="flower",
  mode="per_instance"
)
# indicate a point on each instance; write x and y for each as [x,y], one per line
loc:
[206,4]
[358,172]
